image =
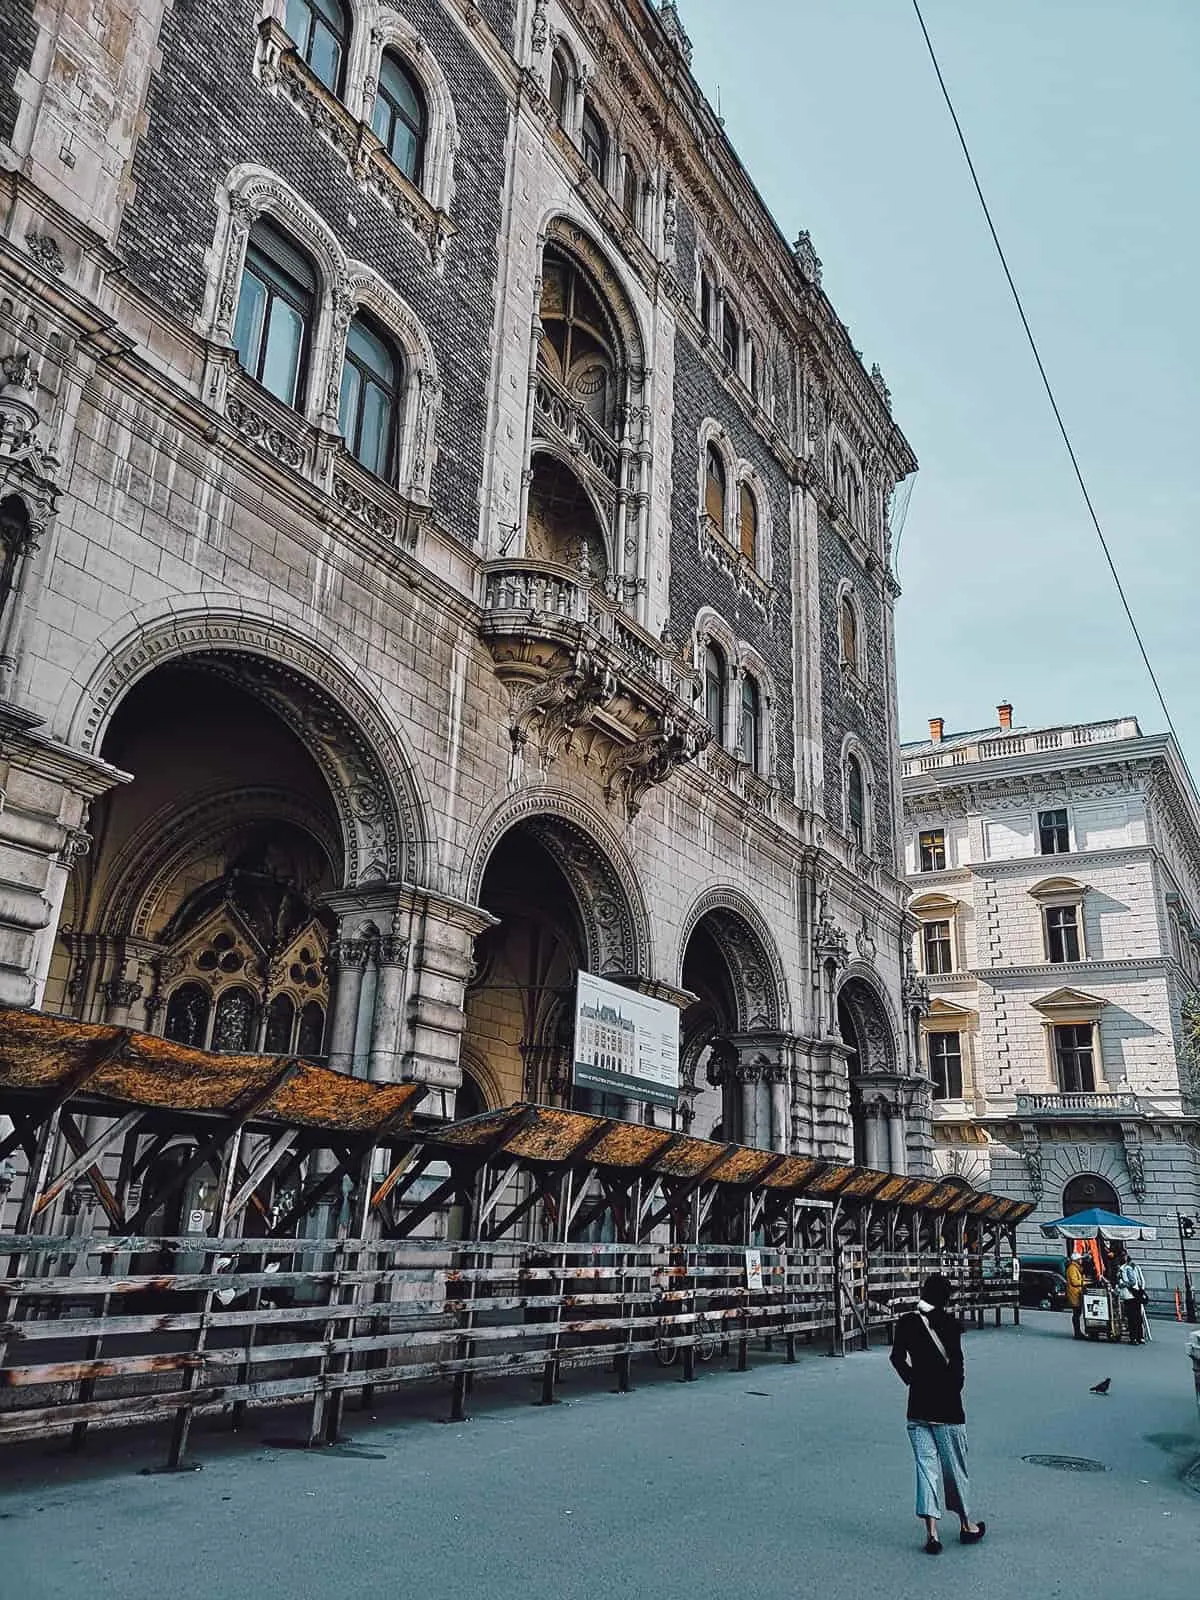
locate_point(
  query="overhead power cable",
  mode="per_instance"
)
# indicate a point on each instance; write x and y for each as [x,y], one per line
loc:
[1062,427]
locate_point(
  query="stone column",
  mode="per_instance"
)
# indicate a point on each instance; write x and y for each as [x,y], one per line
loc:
[778,1079]
[348,958]
[748,1075]
[387,1021]
[874,1137]
[897,1146]
[121,995]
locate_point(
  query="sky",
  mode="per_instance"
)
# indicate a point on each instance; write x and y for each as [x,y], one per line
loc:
[1083,118]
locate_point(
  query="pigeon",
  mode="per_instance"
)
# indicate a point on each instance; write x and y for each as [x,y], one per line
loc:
[1101,1388]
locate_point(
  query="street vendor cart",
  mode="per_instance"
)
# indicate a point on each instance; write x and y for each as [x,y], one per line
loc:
[1102,1318]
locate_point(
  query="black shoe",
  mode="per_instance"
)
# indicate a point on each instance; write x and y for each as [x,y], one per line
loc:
[933,1547]
[965,1536]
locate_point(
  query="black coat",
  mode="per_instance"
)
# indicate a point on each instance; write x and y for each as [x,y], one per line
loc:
[935,1385]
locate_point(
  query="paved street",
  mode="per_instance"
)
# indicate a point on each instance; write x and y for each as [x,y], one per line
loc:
[779,1482]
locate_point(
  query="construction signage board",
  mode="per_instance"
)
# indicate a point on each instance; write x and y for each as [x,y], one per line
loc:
[625,1043]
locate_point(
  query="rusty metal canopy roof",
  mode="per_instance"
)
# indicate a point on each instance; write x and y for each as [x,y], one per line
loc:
[544,1134]
[42,1055]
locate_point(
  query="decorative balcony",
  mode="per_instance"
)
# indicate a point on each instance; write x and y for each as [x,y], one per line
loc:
[1107,1106]
[582,675]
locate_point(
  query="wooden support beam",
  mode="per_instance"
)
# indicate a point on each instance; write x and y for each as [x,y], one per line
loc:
[86,1159]
[262,1169]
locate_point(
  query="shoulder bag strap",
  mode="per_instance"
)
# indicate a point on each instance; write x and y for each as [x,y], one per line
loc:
[941,1348]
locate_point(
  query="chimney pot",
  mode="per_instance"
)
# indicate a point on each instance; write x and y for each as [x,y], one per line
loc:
[936,724]
[1004,714]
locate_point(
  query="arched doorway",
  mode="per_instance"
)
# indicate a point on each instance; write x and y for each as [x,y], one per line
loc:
[561,907]
[199,912]
[1088,1192]
[872,1065]
[734,1076]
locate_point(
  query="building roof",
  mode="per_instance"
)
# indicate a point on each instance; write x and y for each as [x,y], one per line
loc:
[996,743]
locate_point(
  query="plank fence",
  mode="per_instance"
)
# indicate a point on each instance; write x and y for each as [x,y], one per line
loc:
[106,1330]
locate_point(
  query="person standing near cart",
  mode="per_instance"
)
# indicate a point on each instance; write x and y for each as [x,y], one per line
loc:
[1077,1280]
[1131,1286]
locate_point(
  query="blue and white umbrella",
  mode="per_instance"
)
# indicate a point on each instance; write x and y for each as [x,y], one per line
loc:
[1097,1224]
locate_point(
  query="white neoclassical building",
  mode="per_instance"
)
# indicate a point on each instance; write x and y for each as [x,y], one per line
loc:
[1055,880]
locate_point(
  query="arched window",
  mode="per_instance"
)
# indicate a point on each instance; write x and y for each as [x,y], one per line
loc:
[856,802]
[849,629]
[748,522]
[281,1022]
[399,117]
[595,141]
[706,302]
[15,538]
[1087,1192]
[631,192]
[578,347]
[234,1025]
[751,729]
[187,1015]
[731,337]
[312,1029]
[752,364]
[321,31]
[714,488]
[561,78]
[275,313]
[372,377]
[714,690]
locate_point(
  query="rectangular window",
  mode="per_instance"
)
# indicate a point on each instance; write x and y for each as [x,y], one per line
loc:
[935,937]
[933,850]
[1053,834]
[945,1065]
[1062,933]
[1074,1058]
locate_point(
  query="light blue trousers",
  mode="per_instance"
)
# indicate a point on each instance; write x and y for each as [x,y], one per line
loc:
[940,1449]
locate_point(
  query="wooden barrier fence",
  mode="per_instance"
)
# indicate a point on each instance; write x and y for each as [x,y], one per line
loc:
[104,1330]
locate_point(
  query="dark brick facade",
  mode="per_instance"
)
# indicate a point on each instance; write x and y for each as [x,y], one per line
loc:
[17,39]
[206,114]
[842,711]
[697,581]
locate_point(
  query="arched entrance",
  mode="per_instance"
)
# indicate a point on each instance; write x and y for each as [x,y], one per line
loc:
[1089,1192]
[561,906]
[198,913]
[734,1070]
[872,1064]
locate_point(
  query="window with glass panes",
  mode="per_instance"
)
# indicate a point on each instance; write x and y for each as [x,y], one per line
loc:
[370,403]
[731,337]
[1074,1057]
[714,690]
[936,944]
[1062,933]
[1053,834]
[933,850]
[856,802]
[751,720]
[714,488]
[595,143]
[945,1065]
[275,312]
[321,31]
[398,117]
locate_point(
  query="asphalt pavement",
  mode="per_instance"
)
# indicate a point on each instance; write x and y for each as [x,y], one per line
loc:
[785,1481]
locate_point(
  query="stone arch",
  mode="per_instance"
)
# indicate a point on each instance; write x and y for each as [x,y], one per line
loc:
[476,1067]
[751,953]
[611,905]
[574,241]
[596,539]
[371,780]
[876,1035]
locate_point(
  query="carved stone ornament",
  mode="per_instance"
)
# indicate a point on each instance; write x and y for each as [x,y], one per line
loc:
[867,947]
[668,15]
[391,952]
[348,953]
[885,394]
[670,212]
[1031,1153]
[76,843]
[562,704]
[259,432]
[539,27]
[123,992]
[1135,1161]
[808,262]
[633,769]
[44,248]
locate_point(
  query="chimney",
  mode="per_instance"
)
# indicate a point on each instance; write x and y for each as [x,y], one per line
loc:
[936,724]
[1004,714]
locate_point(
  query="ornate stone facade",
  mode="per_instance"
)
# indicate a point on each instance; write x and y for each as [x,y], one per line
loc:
[380,753]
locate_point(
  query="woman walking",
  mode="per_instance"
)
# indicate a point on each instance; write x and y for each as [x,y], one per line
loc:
[927,1353]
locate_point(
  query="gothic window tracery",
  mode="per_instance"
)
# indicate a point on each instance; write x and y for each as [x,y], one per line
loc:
[577,347]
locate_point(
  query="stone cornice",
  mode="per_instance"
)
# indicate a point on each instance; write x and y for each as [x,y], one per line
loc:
[1075,971]
[82,774]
